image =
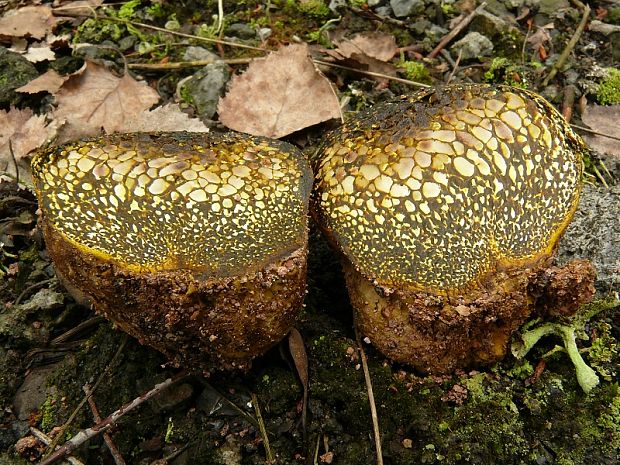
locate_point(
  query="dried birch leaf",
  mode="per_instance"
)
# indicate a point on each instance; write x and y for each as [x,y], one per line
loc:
[30,21]
[603,119]
[97,98]
[279,95]
[165,118]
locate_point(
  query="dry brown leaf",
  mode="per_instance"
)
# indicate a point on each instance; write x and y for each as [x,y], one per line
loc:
[50,81]
[42,53]
[98,99]
[372,44]
[279,95]
[603,119]
[30,21]
[26,132]
[541,37]
[79,7]
[165,118]
[367,51]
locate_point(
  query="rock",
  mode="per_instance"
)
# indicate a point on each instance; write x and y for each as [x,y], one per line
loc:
[404,8]
[15,71]
[241,31]
[264,33]
[550,7]
[593,234]
[473,45]
[489,24]
[337,5]
[34,391]
[206,87]
[199,54]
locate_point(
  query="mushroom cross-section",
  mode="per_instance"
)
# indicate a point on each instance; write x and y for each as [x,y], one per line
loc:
[442,204]
[194,243]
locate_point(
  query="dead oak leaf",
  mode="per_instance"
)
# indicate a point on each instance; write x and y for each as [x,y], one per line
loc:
[21,131]
[603,119]
[97,98]
[168,117]
[29,21]
[279,95]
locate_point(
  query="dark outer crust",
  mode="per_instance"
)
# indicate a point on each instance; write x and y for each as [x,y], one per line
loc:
[199,322]
[437,334]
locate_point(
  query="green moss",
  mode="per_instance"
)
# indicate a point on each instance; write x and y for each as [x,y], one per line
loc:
[415,71]
[503,71]
[609,89]
[314,8]
[48,411]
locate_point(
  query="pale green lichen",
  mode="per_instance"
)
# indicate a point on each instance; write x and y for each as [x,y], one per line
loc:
[569,332]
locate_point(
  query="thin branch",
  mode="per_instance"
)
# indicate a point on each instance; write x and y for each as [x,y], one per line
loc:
[116,454]
[45,439]
[166,31]
[188,64]
[263,429]
[370,73]
[592,131]
[454,32]
[569,47]
[107,423]
[371,400]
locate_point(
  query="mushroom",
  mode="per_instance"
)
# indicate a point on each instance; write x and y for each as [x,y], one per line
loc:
[195,244]
[447,206]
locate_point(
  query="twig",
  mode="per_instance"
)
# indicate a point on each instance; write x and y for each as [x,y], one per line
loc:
[107,369]
[596,133]
[31,288]
[370,73]
[116,454]
[166,31]
[568,102]
[220,16]
[188,64]
[371,400]
[263,429]
[45,439]
[14,161]
[455,67]
[107,423]
[454,32]
[300,359]
[569,47]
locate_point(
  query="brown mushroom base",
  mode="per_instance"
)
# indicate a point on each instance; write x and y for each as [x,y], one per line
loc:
[439,334]
[198,322]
